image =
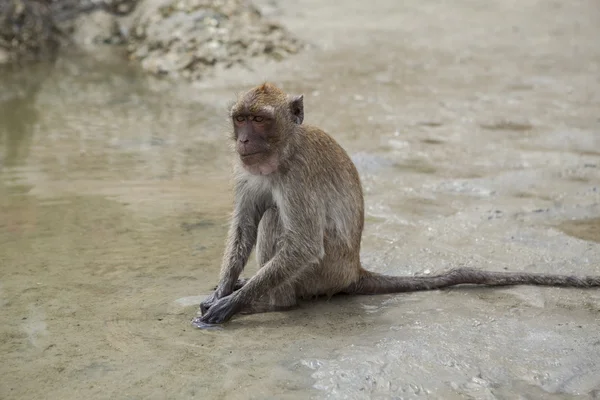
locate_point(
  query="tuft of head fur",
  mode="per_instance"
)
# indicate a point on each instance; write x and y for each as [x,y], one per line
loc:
[255,99]
[268,97]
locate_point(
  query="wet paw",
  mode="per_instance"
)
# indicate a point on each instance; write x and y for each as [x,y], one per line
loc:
[219,312]
[198,323]
[207,303]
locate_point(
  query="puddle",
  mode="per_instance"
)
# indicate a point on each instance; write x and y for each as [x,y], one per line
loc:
[587,229]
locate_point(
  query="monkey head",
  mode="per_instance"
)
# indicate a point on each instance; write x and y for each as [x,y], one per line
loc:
[264,118]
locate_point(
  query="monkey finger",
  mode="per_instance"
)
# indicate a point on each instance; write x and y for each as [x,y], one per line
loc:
[198,323]
[204,308]
[215,316]
[207,303]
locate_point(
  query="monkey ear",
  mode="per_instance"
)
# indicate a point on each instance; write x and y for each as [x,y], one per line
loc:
[297,108]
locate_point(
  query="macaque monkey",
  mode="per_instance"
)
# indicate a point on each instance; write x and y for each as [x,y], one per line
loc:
[298,199]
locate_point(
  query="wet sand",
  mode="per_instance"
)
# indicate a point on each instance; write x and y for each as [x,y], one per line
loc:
[476,130]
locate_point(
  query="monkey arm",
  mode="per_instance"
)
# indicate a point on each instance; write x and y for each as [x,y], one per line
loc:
[240,240]
[288,261]
[300,248]
[302,214]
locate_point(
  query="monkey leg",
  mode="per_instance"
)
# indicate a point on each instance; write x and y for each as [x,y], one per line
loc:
[269,230]
[284,297]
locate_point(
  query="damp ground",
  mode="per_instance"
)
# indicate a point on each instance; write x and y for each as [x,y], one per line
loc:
[476,131]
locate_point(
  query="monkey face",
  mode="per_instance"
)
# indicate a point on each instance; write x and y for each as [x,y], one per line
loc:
[264,118]
[253,132]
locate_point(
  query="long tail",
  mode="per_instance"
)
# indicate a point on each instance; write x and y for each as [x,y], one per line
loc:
[374,283]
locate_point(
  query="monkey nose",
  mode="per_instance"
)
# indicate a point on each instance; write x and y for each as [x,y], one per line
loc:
[244,141]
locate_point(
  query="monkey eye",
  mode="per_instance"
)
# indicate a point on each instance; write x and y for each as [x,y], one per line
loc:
[258,118]
[240,118]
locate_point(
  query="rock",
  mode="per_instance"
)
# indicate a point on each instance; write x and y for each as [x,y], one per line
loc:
[178,38]
[190,37]
[96,28]
[27,30]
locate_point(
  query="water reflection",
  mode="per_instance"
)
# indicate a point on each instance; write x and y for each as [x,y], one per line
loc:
[80,127]
[18,111]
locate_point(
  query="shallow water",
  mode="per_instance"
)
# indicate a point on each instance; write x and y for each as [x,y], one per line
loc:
[477,135]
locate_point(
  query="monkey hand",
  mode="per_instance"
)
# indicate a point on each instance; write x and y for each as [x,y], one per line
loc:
[218,293]
[209,301]
[221,310]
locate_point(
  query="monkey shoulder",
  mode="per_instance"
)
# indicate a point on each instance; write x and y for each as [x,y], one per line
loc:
[327,169]
[324,151]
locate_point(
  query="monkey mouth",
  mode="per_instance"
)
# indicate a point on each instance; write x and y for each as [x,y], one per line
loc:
[252,158]
[250,154]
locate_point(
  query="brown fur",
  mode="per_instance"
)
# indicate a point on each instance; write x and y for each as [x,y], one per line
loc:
[305,216]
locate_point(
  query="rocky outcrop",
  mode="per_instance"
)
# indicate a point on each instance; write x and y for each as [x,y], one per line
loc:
[27,30]
[178,38]
[190,37]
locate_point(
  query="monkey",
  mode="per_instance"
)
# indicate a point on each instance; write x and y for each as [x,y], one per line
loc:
[298,201]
